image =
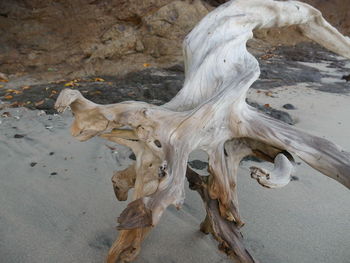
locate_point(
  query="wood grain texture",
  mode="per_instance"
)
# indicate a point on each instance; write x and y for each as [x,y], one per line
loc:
[209,113]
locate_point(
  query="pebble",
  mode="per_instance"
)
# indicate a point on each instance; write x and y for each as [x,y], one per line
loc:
[289,106]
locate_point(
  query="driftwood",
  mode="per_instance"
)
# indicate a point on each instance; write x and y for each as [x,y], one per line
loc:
[209,113]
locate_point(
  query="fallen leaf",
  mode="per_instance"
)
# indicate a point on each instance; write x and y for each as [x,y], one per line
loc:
[17,104]
[39,103]
[267,105]
[267,56]
[3,80]
[8,97]
[69,84]
[1,86]
[29,102]
[268,93]
[146,65]
[54,92]
[17,92]
[25,87]
[258,91]
[99,79]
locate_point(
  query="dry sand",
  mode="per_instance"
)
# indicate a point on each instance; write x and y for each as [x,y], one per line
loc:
[63,208]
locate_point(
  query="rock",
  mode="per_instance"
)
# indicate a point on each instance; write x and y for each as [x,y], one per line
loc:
[132,156]
[277,114]
[117,41]
[197,164]
[346,77]
[93,37]
[289,106]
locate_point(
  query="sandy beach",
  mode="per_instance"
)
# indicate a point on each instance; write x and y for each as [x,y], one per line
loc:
[58,205]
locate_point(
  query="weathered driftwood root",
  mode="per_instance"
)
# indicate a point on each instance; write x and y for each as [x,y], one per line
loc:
[224,231]
[210,114]
[128,245]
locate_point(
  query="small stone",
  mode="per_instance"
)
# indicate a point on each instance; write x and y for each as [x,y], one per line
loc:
[51,153]
[294,178]
[132,157]
[33,164]
[6,114]
[289,106]
[139,46]
[346,77]
[54,173]
[18,136]
[197,164]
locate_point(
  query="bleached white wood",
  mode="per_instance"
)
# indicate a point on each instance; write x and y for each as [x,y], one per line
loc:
[280,176]
[210,113]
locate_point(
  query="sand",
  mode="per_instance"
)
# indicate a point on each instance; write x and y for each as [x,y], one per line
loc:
[57,203]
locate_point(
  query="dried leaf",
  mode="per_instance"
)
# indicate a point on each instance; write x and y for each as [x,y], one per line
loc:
[268,93]
[17,104]
[17,92]
[8,97]
[39,103]
[54,92]
[99,79]
[267,56]
[267,105]
[14,91]
[3,80]
[146,65]
[1,86]
[25,87]
[69,84]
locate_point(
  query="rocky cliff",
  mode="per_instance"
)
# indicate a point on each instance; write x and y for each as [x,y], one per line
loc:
[51,39]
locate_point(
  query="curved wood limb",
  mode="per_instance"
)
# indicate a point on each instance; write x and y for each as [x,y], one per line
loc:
[224,231]
[280,176]
[142,175]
